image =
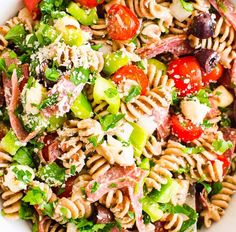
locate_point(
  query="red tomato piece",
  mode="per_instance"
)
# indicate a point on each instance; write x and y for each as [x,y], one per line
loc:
[212,76]
[90,3]
[32,6]
[123,24]
[132,72]
[186,73]
[184,129]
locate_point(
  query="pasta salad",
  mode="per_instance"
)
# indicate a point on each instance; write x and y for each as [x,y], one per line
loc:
[118,115]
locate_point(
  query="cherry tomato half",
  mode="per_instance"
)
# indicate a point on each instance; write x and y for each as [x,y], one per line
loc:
[185,129]
[186,73]
[212,76]
[90,3]
[123,24]
[32,6]
[132,72]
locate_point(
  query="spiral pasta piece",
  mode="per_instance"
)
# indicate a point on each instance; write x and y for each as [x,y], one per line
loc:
[222,42]
[5,160]
[201,165]
[52,226]
[70,57]
[11,203]
[157,98]
[99,29]
[152,148]
[172,222]
[97,165]
[157,177]
[220,201]
[120,206]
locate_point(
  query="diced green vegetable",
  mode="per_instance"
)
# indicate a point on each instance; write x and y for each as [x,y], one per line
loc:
[55,122]
[23,157]
[81,107]
[53,174]
[86,17]
[16,34]
[152,209]
[167,191]
[159,65]
[110,121]
[35,196]
[114,61]
[138,138]
[46,34]
[10,143]
[145,164]
[101,88]
[79,75]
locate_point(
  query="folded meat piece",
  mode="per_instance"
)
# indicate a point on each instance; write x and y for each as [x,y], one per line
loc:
[226,9]
[175,44]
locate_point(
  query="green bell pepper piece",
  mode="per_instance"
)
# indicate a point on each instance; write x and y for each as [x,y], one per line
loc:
[86,17]
[10,143]
[114,61]
[138,138]
[55,123]
[145,164]
[167,191]
[159,65]
[81,107]
[105,90]
[152,209]
[46,34]
[73,37]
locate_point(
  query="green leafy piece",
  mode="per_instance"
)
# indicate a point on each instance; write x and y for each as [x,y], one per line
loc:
[131,214]
[52,174]
[174,99]
[3,65]
[186,210]
[193,150]
[111,92]
[94,140]
[16,34]
[203,97]
[48,209]
[206,186]
[96,47]
[146,218]
[112,185]
[49,101]
[95,187]
[145,164]
[79,75]
[186,5]
[222,145]
[225,121]
[135,90]
[72,170]
[216,188]
[183,170]
[52,74]
[23,156]
[24,176]
[35,196]
[110,121]
[206,124]
[141,65]
[26,211]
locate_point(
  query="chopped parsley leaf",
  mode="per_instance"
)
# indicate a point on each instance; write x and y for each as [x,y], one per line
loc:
[50,101]
[110,121]
[95,187]
[24,176]
[135,90]
[35,196]
[79,75]
[111,92]
[222,145]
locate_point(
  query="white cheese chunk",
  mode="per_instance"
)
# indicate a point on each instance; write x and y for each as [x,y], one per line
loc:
[148,123]
[177,10]
[222,96]
[14,184]
[194,110]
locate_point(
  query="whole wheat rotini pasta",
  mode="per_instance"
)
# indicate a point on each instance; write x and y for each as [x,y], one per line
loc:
[118,115]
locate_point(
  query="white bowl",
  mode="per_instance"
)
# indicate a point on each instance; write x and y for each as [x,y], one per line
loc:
[9,8]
